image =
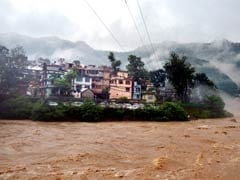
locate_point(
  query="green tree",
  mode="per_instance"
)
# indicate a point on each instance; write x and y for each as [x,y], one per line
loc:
[215,105]
[180,74]
[65,84]
[13,63]
[4,59]
[136,69]
[202,79]
[115,64]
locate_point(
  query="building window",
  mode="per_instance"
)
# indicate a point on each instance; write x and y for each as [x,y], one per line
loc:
[120,81]
[127,89]
[137,89]
[87,79]
[79,78]
[88,87]
[127,82]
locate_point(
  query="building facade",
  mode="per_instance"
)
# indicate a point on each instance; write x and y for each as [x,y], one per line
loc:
[82,81]
[120,86]
[149,96]
[91,77]
[137,91]
[51,72]
[100,78]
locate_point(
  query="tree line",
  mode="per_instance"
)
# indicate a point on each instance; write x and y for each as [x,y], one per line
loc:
[181,75]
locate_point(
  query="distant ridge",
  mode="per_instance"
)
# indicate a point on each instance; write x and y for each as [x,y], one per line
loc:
[219,59]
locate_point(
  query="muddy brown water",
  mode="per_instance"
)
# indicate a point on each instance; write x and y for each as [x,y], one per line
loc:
[202,149]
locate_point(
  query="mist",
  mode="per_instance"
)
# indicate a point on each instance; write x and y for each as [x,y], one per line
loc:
[232,104]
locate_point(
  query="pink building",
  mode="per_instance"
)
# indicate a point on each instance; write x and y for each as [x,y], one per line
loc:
[120,86]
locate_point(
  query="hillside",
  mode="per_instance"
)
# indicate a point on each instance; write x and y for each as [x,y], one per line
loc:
[53,47]
[220,60]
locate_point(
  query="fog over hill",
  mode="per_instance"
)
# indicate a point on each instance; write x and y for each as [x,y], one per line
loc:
[220,60]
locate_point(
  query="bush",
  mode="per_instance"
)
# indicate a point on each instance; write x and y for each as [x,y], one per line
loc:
[122,100]
[89,111]
[149,113]
[173,111]
[215,105]
[44,112]
[228,114]
[26,108]
[113,113]
[16,108]
[73,113]
[196,110]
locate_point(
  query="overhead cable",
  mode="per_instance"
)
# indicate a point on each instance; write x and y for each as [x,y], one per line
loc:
[146,29]
[106,27]
[134,22]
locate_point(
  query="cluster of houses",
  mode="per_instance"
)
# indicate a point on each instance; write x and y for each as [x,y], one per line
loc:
[91,82]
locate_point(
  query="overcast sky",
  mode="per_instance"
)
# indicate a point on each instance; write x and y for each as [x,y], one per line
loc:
[167,20]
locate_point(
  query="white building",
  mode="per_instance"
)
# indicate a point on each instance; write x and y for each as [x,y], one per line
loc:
[82,82]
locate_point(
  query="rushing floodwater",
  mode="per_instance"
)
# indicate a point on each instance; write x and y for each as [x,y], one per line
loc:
[204,149]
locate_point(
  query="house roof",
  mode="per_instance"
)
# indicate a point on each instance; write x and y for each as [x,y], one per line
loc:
[85,89]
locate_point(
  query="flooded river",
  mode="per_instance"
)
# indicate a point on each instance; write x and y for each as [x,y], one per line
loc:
[203,149]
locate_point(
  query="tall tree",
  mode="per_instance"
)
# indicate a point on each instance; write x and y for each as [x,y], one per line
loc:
[202,79]
[180,74]
[115,64]
[13,63]
[4,58]
[136,69]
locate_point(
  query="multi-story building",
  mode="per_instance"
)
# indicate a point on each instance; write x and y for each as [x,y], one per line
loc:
[82,81]
[137,91]
[120,85]
[33,75]
[91,77]
[50,72]
[100,77]
[149,96]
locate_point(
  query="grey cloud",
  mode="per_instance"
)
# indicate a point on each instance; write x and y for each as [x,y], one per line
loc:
[197,20]
[44,24]
[6,12]
[33,23]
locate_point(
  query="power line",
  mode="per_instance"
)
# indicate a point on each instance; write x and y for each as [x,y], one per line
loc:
[100,19]
[137,29]
[146,29]
[134,22]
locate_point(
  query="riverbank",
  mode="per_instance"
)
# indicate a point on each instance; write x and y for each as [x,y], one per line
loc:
[202,149]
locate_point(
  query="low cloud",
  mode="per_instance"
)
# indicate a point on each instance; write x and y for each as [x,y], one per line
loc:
[232,104]
[44,24]
[181,21]
[34,23]
[228,69]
